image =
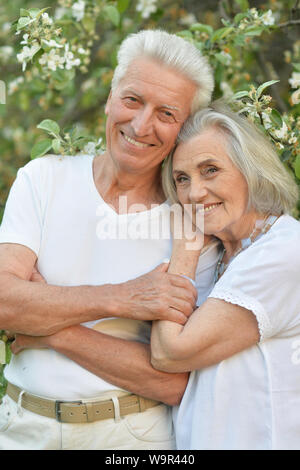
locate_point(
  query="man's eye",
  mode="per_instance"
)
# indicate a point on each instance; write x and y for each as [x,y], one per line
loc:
[130,100]
[166,116]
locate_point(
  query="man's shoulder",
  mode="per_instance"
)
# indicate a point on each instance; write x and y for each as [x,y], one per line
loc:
[52,162]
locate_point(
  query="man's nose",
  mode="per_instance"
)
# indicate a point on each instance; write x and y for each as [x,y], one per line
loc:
[142,122]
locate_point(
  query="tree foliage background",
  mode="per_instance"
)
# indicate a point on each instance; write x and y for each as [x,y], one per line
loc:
[57,59]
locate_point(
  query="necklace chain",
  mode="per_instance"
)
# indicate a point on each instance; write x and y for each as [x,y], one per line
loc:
[261,227]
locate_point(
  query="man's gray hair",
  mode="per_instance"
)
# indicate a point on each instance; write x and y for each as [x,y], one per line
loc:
[171,51]
[271,188]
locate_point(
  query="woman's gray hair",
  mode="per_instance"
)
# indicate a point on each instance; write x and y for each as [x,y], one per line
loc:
[171,51]
[271,188]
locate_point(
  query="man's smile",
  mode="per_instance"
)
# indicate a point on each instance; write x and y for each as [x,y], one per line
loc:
[135,142]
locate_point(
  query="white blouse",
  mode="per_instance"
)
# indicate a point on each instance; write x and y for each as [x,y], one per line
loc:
[252,400]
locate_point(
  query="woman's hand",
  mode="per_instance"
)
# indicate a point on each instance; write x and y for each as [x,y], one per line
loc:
[23,342]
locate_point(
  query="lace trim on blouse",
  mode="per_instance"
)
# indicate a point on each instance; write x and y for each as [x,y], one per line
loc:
[237,297]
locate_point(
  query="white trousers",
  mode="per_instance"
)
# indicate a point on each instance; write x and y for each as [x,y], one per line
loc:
[23,430]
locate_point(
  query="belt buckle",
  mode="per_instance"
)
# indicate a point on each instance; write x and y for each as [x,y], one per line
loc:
[57,407]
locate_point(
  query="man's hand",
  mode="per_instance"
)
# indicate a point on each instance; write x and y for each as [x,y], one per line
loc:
[156,295]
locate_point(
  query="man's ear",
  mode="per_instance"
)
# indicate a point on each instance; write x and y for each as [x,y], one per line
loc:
[106,109]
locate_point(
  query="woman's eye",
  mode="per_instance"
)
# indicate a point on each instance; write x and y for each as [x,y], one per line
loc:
[210,170]
[180,179]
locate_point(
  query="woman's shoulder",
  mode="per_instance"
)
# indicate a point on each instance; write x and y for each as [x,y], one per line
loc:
[279,246]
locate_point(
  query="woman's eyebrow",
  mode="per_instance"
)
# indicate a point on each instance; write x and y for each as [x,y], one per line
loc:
[207,161]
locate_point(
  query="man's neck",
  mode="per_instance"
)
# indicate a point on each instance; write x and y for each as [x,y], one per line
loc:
[113,184]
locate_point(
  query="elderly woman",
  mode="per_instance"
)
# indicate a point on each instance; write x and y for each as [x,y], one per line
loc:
[242,342]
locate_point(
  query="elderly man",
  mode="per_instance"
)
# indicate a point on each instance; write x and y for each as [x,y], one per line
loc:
[67,353]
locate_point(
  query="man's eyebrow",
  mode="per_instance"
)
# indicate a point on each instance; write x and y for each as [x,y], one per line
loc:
[168,106]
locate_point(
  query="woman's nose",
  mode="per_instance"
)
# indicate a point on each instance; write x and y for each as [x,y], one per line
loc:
[198,192]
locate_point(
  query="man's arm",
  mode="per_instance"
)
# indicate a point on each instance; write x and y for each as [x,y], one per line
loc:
[123,363]
[40,309]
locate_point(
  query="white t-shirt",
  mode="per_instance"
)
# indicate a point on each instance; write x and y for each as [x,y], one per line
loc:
[55,209]
[252,400]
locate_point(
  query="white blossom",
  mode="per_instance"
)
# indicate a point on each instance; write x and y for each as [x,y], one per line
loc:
[69,59]
[52,43]
[295,80]
[254,13]
[25,39]
[90,148]
[26,54]
[226,89]
[14,85]
[6,52]
[146,7]
[188,20]
[268,18]
[52,60]
[295,97]
[6,27]
[78,10]
[88,84]
[292,139]
[46,19]
[267,120]
[60,12]
[282,133]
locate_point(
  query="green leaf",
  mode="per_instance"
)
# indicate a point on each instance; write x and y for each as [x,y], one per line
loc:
[33,12]
[254,31]
[221,58]
[240,94]
[49,126]
[41,148]
[297,166]
[265,85]
[2,352]
[286,155]
[122,5]
[243,4]
[24,21]
[239,17]
[296,67]
[56,145]
[186,34]
[202,28]
[24,12]
[113,14]
[276,118]
[221,33]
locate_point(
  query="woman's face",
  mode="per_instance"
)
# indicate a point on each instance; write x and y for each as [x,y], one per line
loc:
[204,174]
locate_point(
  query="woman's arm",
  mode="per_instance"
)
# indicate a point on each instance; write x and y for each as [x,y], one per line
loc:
[214,332]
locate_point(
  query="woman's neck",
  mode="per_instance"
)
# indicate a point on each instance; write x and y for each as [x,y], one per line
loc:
[248,227]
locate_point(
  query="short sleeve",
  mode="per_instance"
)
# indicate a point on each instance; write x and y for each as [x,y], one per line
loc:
[263,279]
[22,219]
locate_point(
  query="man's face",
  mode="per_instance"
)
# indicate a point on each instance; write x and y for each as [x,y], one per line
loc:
[145,113]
